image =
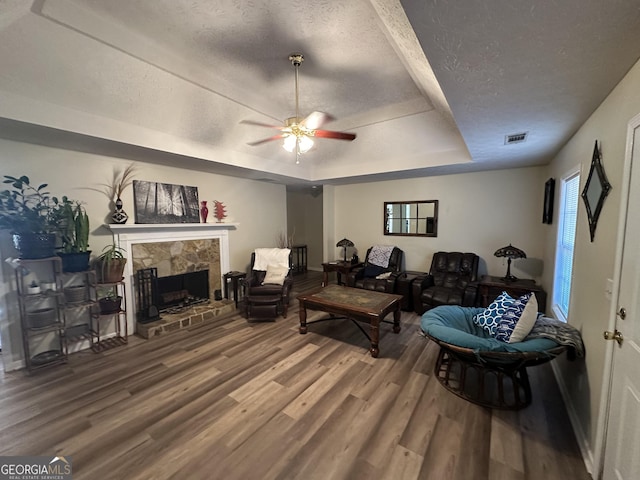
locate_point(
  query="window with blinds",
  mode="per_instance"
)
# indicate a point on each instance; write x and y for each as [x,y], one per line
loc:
[568,213]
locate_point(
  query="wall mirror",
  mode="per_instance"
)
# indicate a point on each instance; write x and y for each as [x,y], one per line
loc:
[595,190]
[415,218]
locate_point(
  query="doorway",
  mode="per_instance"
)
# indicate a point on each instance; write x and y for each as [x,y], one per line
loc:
[304,221]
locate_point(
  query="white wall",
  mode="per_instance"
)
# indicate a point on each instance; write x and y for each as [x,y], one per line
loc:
[593,261]
[478,212]
[259,207]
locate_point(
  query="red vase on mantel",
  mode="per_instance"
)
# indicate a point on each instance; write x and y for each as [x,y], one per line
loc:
[204,211]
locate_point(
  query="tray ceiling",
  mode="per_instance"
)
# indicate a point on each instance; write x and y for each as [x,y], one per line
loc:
[429,87]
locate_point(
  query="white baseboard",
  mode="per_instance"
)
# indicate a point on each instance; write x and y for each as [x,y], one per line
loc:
[16,365]
[583,442]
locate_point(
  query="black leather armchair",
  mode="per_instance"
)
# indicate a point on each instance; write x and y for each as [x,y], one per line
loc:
[452,280]
[266,300]
[365,276]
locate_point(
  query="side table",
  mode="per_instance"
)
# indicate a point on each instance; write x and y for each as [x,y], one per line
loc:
[403,287]
[490,287]
[338,266]
[233,278]
[299,252]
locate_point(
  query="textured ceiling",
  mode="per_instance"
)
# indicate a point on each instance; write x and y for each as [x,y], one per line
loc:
[428,86]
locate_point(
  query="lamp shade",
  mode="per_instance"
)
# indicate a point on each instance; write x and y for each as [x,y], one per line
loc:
[344,243]
[510,252]
[302,142]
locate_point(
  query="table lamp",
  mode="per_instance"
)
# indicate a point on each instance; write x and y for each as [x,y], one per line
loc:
[511,253]
[344,243]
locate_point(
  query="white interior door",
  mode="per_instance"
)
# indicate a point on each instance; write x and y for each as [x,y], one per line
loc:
[622,448]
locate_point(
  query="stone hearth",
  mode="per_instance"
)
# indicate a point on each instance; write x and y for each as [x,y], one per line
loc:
[191,316]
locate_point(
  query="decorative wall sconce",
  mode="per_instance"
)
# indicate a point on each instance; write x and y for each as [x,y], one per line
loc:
[595,190]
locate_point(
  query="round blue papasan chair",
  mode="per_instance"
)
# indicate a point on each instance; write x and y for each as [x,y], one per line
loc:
[479,368]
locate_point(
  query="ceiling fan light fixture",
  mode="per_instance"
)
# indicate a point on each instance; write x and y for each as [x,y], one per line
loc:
[289,143]
[305,144]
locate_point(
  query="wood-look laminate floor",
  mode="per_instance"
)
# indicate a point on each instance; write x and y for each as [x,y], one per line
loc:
[240,400]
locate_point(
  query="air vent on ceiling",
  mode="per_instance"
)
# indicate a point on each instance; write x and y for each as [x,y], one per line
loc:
[515,138]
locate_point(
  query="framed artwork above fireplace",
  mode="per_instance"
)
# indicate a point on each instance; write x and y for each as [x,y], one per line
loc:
[165,203]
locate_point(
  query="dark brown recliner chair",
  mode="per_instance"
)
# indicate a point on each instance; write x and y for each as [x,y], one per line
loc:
[365,276]
[452,280]
[266,300]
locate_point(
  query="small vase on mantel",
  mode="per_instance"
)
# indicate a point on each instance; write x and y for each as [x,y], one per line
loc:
[119,216]
[204,211]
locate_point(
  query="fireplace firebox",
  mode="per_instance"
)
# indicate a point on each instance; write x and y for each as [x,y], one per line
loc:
[170,294]
[183,289]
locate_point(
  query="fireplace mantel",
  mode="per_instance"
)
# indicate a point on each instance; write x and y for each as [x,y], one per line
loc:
[169,228]
[127,235]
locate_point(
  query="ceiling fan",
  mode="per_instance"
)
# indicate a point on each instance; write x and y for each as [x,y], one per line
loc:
[297,132]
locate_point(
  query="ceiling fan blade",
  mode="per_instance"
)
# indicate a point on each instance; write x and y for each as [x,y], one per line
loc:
[260,124]
[316,120]
[336,135]
[265,140]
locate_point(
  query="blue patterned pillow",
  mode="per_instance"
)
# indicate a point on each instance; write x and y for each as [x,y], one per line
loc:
[490,316]
[518,320]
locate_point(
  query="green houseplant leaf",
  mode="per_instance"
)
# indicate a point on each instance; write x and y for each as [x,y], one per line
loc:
[25,209]
[72,225]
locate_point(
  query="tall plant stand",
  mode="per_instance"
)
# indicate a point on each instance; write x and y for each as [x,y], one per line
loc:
[41,312]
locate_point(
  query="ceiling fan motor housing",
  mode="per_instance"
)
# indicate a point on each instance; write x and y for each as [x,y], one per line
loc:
[296,59]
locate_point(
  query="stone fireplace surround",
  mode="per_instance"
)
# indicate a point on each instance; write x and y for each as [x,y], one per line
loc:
[160,242]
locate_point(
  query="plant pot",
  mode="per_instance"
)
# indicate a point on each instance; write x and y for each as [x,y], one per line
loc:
[110,272]
[75,294]
[110,305]
[75,262]
[35,245]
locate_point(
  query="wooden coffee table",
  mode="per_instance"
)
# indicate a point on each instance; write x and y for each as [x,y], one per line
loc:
[354,304]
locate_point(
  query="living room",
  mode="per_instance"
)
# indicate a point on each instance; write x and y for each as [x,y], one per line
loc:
[479,211]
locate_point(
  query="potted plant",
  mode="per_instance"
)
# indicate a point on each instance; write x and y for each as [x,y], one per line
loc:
[109,301]
[109,266]
[25,211]
[33,288]
[73,230]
